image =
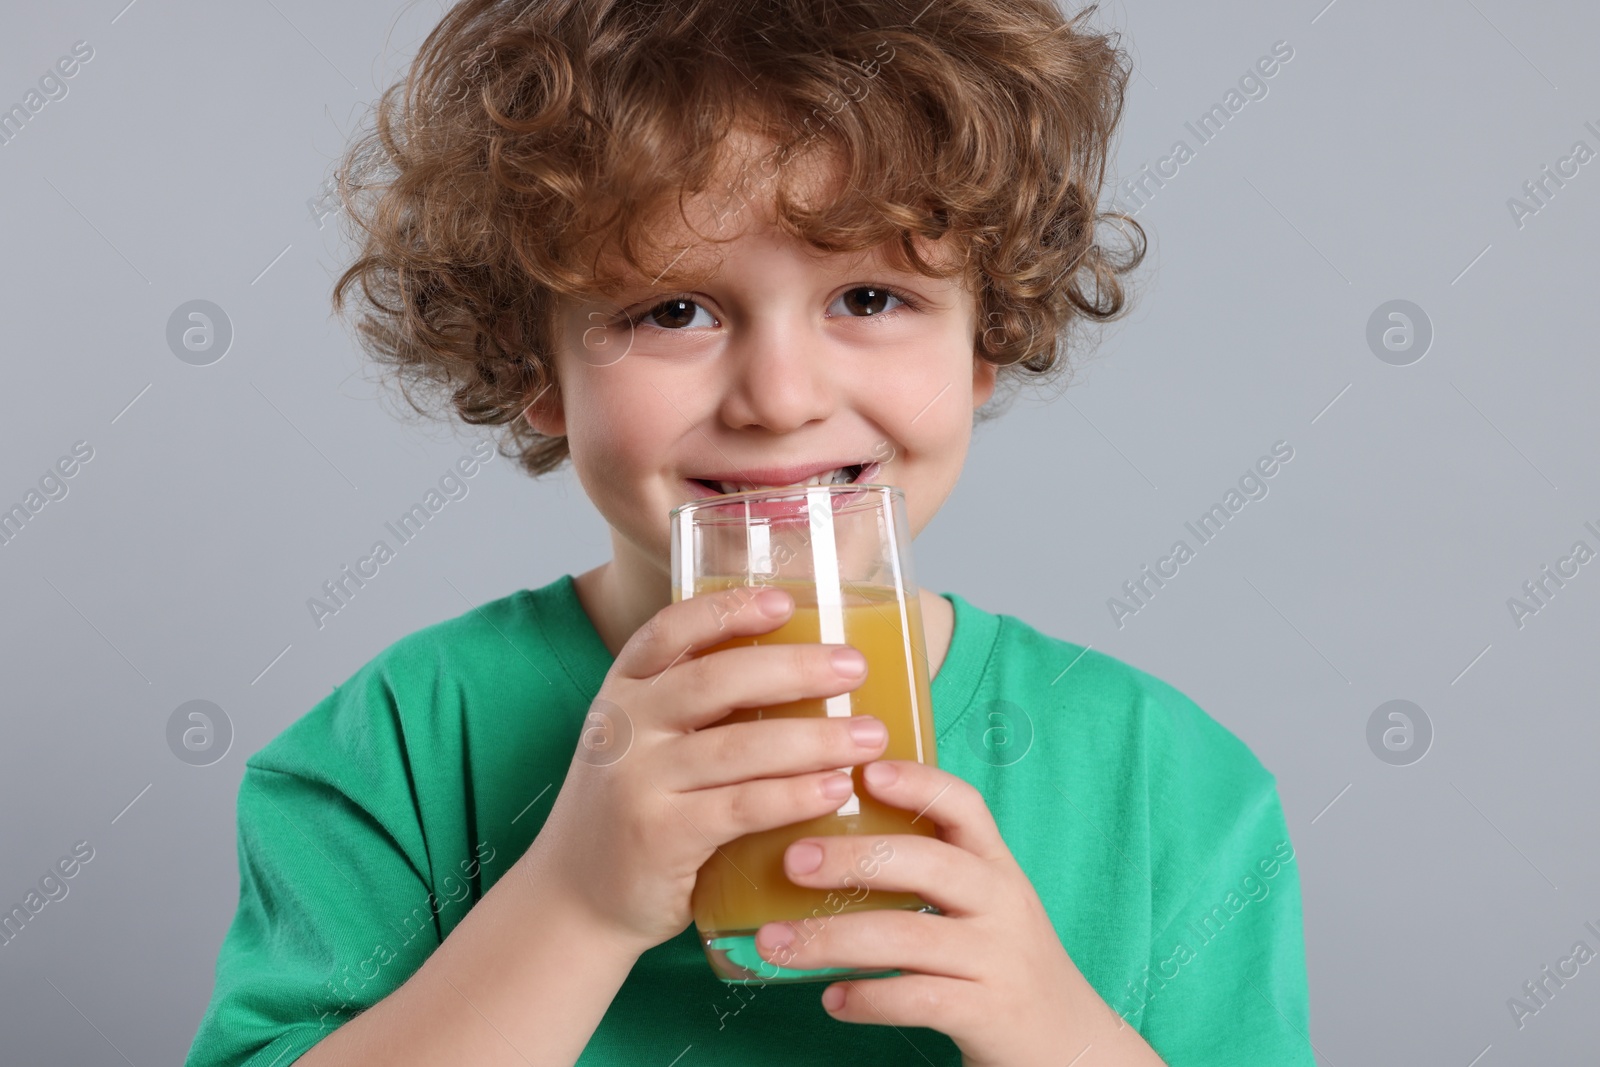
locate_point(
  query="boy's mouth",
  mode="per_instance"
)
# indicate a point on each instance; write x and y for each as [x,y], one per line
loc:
[845,475]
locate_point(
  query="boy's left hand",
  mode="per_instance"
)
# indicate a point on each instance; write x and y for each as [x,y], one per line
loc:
[990,971]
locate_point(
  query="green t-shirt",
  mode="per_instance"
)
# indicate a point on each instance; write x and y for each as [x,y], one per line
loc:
[368,827]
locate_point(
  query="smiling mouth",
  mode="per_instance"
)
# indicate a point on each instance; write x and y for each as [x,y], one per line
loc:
[838,476]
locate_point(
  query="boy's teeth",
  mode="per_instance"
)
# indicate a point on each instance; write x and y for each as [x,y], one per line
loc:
[839,476]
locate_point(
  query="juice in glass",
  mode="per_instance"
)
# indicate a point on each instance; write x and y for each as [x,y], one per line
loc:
[743,884]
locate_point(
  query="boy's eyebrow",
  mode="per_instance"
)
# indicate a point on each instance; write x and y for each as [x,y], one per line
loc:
[631,293]
[863,268]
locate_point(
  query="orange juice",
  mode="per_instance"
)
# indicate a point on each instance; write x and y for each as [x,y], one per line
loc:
[743,884]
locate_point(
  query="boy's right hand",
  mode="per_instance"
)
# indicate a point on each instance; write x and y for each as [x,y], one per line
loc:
[628,832]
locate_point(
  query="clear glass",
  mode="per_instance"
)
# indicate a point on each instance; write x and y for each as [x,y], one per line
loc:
[844,553]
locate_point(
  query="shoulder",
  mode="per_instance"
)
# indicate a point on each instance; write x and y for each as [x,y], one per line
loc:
[1087,682]
[385,707]
[1196,775]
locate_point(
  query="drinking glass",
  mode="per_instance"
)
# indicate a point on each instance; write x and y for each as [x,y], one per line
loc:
[843,552]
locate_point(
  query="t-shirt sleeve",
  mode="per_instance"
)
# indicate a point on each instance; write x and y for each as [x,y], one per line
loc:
[1226,979]
[333,916]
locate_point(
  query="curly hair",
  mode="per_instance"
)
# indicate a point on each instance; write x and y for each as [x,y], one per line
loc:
[533,139]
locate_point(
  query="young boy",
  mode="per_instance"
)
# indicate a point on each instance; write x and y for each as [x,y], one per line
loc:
[693,248]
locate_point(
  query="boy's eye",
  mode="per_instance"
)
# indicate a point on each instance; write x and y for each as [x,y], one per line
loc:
[680,312]
[869,299]
[675,314]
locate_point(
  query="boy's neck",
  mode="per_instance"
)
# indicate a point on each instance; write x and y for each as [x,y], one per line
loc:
[618,605]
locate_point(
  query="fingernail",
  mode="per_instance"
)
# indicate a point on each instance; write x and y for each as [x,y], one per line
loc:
[837,786]
[772,602]
[868,731]
[848,661]
[776,935]
[881,773]
[804,857]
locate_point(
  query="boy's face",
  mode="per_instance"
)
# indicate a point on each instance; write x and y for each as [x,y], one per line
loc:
[782,357]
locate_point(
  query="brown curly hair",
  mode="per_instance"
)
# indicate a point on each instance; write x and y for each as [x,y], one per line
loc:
[529,141]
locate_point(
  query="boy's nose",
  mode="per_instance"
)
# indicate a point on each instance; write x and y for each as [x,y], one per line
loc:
[778,383]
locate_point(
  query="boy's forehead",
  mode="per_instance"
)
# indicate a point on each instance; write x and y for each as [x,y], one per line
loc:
[687,260]
[681,245]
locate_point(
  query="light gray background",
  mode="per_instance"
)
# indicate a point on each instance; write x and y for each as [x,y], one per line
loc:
[181,165]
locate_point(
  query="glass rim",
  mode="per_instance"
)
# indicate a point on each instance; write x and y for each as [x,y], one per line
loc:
[871,492]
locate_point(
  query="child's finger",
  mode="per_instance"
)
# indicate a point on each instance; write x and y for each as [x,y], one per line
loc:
[709,686]
[688,626]
[925,1000]
[884,939]
[741,751]
[954,805]
[721,814]
[859,865]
